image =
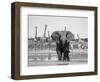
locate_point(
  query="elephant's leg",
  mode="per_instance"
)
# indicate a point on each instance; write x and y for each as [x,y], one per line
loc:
[66,56]
[59,55]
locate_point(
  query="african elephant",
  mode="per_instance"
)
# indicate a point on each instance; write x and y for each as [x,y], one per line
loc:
[62,39]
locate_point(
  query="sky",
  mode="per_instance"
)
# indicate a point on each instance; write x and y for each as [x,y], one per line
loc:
[77,25]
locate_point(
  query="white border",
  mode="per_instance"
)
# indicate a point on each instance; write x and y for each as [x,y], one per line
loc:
[25,70]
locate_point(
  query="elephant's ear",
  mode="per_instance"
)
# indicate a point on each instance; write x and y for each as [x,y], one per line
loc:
[55,36]
[70,36]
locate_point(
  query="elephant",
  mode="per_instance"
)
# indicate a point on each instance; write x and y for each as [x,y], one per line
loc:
[62,39]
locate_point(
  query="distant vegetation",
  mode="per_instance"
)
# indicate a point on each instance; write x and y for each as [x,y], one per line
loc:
[48,43]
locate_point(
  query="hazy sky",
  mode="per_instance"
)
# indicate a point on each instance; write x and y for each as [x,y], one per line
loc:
[77,25]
